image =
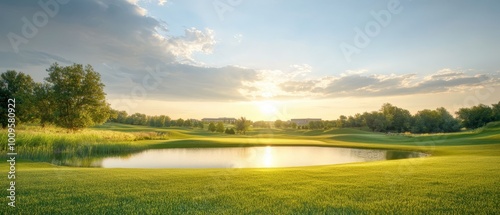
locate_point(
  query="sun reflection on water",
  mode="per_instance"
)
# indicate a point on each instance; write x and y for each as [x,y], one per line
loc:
[268,157]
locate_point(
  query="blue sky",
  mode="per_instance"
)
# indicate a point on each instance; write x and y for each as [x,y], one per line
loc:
[266,59]
[432,34]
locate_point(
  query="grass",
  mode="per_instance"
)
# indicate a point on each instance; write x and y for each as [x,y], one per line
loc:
[44,144]
[461,177]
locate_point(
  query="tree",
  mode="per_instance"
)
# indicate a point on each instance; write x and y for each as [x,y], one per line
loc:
[341,121]
[375,120]
[425,121]
[350,122]
[180,122]
[476,116]
[447,123]
[79,98]
[160,122]
[358,120]
[18,86]
[396,119]
[168,121]
[495,108]
[137,119]
[44,103]
[315,125]
[172,123]
[219,127]
[432,121]
[242,125]
[229,131]
[211,127]
[187,123]
[151,120]
[329,124]
[113,115]
[278,123]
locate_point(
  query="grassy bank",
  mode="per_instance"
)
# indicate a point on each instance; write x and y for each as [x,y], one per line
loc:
[461,177]
[44,144]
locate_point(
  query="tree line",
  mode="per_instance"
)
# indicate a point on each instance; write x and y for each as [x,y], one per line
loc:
[390,118]
[153,121]
[240,126]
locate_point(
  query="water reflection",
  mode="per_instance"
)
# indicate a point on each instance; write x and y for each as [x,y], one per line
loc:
[250,157]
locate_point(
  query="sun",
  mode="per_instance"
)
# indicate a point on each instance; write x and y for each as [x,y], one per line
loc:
[267,108]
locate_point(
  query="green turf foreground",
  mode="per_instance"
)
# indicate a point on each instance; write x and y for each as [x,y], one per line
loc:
[461,177]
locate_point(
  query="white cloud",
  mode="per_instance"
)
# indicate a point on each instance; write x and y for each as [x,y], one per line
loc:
[162,2]
[353,72]
[194,40]
[158,2]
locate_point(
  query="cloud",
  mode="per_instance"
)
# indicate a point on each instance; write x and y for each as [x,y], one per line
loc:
[445,74]
[355,84]
[98,31]
[275,83]
[123,43]
[139,2]
[162,2]
[194,40]
[180,82]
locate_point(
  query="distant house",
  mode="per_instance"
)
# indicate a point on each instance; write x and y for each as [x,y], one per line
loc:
[305,121]
[220,119]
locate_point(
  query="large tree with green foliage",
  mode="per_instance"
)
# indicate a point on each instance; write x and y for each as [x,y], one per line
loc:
[397,119]
[79,98]
[44,102]
[18,86]
[375,120]
[433,121]
[447,123]
[476,116]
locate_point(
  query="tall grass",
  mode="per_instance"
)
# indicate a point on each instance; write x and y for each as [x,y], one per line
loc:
[44,144]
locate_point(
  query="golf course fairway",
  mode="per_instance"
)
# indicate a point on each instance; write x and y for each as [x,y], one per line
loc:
[461,176]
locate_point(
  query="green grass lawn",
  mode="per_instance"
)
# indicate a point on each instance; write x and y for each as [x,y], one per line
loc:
[461,177]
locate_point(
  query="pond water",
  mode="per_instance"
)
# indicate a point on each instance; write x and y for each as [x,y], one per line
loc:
[249,157]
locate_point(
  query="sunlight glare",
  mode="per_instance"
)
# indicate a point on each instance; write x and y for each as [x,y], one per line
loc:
[268,157]
[267,108]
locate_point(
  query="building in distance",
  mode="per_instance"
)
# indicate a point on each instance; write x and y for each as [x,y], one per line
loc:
[304,121]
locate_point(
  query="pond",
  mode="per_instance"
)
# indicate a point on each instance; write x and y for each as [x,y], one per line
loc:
[246,157]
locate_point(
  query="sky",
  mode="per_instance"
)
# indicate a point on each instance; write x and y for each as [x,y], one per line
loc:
[261,59]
